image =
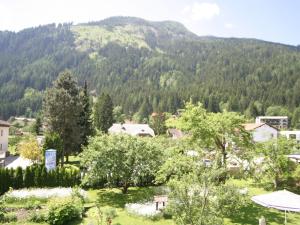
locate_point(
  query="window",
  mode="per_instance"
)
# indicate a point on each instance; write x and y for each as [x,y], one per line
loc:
[0,147]
[1,132]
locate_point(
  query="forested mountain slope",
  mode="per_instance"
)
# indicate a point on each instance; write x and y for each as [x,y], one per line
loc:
[148,66]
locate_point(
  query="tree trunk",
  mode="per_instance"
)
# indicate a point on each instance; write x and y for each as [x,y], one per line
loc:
[125,188]
[62,158]
[67,158]
[275,182]
[224,154]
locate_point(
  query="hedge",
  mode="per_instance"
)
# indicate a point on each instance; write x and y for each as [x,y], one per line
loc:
[37,176]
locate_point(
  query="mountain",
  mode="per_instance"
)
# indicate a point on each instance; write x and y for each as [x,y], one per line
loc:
[148,66]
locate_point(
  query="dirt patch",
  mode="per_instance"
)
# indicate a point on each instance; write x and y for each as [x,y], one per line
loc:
[22,214]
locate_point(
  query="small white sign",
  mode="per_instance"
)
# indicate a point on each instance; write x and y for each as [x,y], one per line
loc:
[50,159]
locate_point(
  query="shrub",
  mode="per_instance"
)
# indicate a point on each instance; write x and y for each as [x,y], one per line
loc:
[37,217]
[2,210]
[10,217]
[18,179]
[64,210]
[28,177]
[111,213]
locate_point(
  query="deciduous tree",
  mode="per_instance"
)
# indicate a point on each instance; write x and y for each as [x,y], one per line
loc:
[30,149]
[121,159]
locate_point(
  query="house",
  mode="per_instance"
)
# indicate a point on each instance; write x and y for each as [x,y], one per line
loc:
[261,132]
[4,132]
[291,134]
[280,122]
[142,130]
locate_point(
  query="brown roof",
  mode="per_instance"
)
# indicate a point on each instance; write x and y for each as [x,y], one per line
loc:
[4,124]
[253,126]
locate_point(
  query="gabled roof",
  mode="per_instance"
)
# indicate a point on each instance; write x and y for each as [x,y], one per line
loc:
[253,126]
[132,129]
[4,124]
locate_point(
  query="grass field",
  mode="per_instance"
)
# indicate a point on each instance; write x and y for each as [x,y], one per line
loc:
[114,199]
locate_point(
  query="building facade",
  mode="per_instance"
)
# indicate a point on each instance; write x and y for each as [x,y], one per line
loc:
[261,132]
[280,122]
[4,132]
[291,134]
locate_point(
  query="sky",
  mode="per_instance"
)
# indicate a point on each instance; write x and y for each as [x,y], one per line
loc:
[270,20]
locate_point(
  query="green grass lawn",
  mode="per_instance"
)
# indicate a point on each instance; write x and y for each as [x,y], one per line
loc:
[114,199]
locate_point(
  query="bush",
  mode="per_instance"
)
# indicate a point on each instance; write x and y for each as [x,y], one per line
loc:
[18,179]
[2,210]
[9,217]
[64,210]
[111,213]
[37,217]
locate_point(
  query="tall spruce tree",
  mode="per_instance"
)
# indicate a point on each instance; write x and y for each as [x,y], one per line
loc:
[61,110]
[86,122]
[103,113]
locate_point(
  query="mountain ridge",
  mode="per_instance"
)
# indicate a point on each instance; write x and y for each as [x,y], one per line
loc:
[148,66]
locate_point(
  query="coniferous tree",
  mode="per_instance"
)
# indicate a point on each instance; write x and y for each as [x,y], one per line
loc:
[104,113]
[37,125]
[28,177]
[61,110]
[18,179]
[85,121]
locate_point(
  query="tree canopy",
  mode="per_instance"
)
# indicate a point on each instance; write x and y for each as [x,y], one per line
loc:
[121,159]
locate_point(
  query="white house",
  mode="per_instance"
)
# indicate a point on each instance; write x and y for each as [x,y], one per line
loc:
[291,134]
[4,132]
[261,132]
[280,122]
[142,130]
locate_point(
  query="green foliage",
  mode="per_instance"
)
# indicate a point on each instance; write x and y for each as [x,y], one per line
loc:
[10,217]
[124,160]
[37,125]
[37,176]
[64,210]
[37,217]
[277,111]
[85,120]
[195,196]
[103,113]
[2,209]
[296,118]
[215,131]
[53,141]
[158,123]
[276,166]
[148,66]
[62,112]
[18,179]
[119,116]
[28,177]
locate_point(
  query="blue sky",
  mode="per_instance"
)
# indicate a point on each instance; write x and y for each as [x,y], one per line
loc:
[271,20]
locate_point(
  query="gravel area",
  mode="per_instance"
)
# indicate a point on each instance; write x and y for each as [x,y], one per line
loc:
[43,193]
